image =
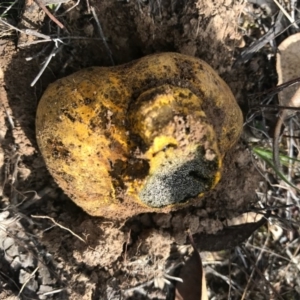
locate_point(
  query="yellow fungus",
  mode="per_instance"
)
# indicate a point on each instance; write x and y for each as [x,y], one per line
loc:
[146,136]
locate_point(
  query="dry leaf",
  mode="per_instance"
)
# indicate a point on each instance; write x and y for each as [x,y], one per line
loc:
[193,286]
[229,237]
[288,67]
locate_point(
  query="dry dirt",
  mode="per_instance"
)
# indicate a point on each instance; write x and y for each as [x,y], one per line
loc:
[115,257]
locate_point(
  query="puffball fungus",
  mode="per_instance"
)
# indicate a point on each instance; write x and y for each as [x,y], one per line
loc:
[146,136]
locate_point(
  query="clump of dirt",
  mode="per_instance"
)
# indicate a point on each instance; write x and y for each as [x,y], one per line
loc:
[105,241]
[115,256]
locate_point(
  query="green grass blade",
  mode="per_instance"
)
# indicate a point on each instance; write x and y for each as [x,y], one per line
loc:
[267,156]
[284,159]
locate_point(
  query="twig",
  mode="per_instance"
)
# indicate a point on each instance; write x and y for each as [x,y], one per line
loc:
[261,42]
[231,282]
[52,54]
[51,292]
[261,274]
[293,259]
[272,253]
[165,276]
[14,180]
[9,25]
[9,279]
[239,253]
[45,38]
[173,277]
[88,6]
[57,224]
[9,118]
[36,197]
[27,280]
[38,54]
[61,39]
[45,9]
[262,250]
[102,35]
[37,34]
[276,107]
[275,90]
[286,14]
[293,7]
[138,287]
[126,245]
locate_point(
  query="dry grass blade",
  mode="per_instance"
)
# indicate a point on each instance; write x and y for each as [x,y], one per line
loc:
[286,14]
[262,276]
[253,270]
[10,26]
[46,63]
[5,28]
[261,42]
[102,35]
[140,286]
[9,118]
[231,283]
[8,8]
[52,292]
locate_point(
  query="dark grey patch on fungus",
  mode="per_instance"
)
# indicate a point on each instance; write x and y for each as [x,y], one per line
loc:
[176,182]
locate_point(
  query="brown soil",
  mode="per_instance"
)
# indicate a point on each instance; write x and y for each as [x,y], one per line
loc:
[116,256]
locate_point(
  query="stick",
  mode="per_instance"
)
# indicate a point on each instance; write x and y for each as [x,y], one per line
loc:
[57,224]
[48,13]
